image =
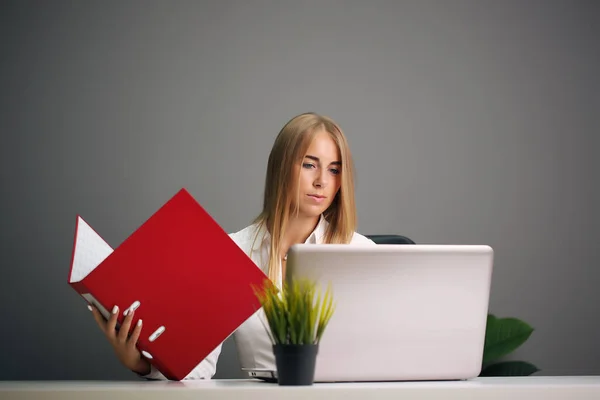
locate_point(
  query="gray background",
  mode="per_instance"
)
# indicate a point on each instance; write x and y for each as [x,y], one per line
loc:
[471,122]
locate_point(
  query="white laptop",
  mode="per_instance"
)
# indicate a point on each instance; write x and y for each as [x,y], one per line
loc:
[403,312]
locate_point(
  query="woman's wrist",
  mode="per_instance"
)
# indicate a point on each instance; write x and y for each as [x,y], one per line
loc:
[142,367]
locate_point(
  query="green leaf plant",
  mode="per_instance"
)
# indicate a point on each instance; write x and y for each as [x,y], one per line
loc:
[298,314]
[502,337]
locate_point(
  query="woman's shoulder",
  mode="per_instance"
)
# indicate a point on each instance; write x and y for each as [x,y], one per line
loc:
[357,238]
[245,237]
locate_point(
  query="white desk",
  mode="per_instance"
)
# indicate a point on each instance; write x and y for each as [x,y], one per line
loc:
[517,388]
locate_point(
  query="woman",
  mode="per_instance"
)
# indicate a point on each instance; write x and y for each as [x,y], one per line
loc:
[308,198]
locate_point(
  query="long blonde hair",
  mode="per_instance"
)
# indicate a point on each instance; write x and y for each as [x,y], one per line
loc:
[289,148]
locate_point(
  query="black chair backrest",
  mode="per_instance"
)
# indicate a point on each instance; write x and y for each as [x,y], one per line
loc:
[390,239]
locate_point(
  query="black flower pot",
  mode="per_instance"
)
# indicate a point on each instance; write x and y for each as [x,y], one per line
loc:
[295,363]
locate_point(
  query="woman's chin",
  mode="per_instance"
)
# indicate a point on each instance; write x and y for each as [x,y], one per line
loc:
[311,211]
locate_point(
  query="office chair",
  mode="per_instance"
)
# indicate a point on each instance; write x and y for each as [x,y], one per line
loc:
[390,239]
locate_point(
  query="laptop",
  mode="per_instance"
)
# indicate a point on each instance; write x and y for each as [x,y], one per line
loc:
[403,312]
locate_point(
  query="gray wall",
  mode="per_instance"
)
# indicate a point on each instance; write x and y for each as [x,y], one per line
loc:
[471,122]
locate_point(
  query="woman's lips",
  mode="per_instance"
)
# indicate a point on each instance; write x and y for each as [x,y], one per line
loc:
[316,198]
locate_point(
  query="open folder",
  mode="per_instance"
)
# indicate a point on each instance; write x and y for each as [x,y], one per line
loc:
[188,281]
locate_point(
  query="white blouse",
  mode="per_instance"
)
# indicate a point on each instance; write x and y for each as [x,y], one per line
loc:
[252,341]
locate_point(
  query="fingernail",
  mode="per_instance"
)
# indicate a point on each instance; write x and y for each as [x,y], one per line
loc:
[139,322]
[126,311]
[89,307]
[115,309]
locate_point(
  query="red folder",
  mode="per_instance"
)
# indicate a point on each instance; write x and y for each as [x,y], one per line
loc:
[187,279]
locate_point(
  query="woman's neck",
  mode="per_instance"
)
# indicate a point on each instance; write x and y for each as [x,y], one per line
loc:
[298,230]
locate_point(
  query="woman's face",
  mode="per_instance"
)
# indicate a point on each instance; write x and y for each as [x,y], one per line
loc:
[319,175]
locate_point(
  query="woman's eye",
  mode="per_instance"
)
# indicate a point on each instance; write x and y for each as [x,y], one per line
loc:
[335,171]
[308,165]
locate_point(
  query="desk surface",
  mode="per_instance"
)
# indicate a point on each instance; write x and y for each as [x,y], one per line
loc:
[514,388]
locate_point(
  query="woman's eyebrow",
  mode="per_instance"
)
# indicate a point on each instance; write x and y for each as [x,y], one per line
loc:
[317,160]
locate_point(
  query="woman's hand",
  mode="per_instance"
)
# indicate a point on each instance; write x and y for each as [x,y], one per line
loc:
[123,344]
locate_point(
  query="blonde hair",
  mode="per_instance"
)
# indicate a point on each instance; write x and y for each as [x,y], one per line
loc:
[290,147]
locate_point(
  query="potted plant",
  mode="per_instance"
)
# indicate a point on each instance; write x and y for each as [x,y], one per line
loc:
[297,316]
[502,337]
